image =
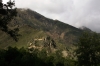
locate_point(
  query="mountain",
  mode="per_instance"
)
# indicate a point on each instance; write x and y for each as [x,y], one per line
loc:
[85,29]
[36,28]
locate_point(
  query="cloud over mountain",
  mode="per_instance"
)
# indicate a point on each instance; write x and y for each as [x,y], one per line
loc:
[74,12]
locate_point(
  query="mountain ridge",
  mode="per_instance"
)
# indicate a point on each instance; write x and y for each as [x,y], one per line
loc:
[32,24]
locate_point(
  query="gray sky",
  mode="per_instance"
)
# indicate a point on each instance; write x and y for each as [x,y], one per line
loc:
[74,12]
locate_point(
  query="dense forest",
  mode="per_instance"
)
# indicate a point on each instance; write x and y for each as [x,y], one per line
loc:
[22,57]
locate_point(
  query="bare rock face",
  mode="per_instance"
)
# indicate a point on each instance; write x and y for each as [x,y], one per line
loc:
[41,43]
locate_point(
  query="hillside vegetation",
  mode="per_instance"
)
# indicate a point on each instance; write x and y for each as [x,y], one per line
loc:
[32,24]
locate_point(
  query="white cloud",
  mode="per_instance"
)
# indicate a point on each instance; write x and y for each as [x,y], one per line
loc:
[74,12]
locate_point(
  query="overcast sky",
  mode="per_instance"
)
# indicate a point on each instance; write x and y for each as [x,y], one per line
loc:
[74,12]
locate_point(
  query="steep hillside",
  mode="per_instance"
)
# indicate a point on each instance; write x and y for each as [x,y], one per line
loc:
[32,25]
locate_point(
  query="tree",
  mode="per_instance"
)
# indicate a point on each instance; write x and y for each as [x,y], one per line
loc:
[7,13]
[88,49]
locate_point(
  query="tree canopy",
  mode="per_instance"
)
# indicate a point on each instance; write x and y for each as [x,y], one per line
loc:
[7,13]
[88,49]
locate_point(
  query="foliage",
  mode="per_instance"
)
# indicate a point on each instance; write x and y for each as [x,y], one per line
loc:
[7,12]
[21,57]
[88,49]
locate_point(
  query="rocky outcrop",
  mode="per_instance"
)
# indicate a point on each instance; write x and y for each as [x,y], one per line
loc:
[41,43]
